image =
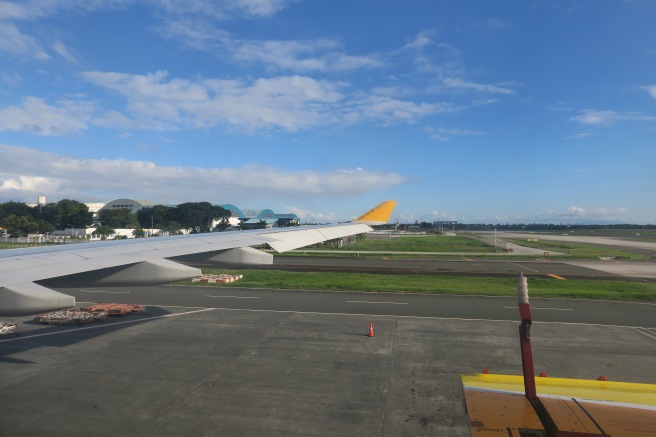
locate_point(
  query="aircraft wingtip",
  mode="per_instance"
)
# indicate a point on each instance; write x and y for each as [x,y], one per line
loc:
[379,214]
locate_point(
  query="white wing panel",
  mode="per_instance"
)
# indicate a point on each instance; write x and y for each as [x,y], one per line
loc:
[346,230]
[38,263]
[283,242]
[24,262]
[288,240]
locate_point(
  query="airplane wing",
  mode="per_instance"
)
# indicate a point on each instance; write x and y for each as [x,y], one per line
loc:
[142,261]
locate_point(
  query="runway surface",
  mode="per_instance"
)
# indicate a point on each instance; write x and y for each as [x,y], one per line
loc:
[459,267]
[609,313]
[624,270]
[212,361]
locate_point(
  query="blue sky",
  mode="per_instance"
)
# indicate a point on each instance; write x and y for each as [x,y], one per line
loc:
[477,111]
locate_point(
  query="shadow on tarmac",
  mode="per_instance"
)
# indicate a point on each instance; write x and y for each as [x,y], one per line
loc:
[31,337]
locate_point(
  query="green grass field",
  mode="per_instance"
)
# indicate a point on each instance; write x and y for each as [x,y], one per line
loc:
[460,285]
[424,243]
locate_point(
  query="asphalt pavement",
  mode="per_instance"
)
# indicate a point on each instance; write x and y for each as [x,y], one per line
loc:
[457,267]
[593,312]
[211,361]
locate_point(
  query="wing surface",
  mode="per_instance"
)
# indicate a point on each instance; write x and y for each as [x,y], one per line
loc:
[142,260]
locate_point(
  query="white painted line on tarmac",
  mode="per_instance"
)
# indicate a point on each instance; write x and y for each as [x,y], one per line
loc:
[235,297]
[540,308]
[464,319]
[102,291]
[77,329]
[524,267]
[368,301]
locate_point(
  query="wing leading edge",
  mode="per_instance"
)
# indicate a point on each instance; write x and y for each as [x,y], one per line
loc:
[142,261]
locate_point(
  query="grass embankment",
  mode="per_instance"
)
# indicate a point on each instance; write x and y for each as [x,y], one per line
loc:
[610,290]
[580,250]
[20,245]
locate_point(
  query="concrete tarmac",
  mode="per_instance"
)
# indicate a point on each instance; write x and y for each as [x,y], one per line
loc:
[232,369]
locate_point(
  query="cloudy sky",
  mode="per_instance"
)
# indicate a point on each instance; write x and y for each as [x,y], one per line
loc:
[477,111]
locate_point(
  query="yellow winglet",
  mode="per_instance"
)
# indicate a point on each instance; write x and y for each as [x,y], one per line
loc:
[379,214]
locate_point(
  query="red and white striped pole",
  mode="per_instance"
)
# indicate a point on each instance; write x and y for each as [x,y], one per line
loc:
[525,339]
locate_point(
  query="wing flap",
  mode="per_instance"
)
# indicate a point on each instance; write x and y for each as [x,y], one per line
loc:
[30,298]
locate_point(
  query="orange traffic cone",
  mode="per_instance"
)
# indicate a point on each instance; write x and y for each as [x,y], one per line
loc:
[371,330]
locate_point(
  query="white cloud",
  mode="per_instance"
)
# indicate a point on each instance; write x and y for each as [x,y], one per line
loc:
[222,9]
[444,134]
[293,55]
[496,24]
[12,11]
[390,111]
[180,18]
[309,216]
[595,118]
[577,214]
[490,23]
[579,135]
[434,215]
[605,118]
[37,117]
[33,184]
[439,137]
[458,132]
[651,89]
[14,42]
[259,8]
[12,78]
[29,173]
[301,56]
[445,64]
[422,39]
[290,103]
[288,55]
[64,52]
[460,84]
[32,9]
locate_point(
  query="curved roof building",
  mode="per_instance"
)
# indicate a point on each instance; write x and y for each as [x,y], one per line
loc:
[132,205]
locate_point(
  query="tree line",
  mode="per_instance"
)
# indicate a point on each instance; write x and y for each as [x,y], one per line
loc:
[20,219]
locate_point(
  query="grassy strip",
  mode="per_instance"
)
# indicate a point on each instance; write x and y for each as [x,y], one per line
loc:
[20,245]
[420,244]
[479,286]
[580,250]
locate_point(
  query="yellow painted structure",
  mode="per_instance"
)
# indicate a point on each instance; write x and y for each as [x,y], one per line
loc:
[591,407]
[379,214]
